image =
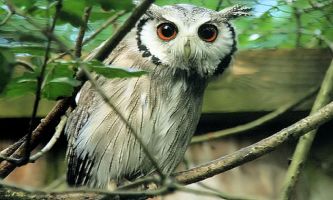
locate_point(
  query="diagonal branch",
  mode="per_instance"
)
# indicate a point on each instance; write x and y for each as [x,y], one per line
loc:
[82,31]
[110,21]
[253,124]
[304,144]
[258,149]
[43,130]
[40,80]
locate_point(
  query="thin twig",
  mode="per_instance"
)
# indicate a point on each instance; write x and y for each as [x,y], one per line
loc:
[40,80]
[180,187]
[111,20]
[221,194]
[256,123]
[43,130]
[258,149]
[82,31]
[45,149]
[45,31]
[303,147]
[139,182]
[122,118]
[8,16]
[78,193]
[10,159]
[125,193]
[52,141]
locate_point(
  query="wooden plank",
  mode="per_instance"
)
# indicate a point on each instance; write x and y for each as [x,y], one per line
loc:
[263,80]
[259,80]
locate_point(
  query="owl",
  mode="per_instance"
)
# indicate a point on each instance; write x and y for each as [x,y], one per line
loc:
[181,47]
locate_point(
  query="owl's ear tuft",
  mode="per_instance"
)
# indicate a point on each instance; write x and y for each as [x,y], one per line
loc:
[234,12]
[154,11]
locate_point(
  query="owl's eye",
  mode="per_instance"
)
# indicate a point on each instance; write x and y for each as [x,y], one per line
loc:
[208,32]
[167,31]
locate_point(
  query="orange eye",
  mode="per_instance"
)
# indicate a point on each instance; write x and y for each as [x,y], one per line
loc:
[167,31]
[208,32]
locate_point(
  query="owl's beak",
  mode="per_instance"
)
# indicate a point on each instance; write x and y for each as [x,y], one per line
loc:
[187,50]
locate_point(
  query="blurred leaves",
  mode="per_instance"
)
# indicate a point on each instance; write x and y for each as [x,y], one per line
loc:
[58,82]
[22,85]
[6,67]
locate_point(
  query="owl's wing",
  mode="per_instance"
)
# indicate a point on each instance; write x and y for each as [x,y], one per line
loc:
[78,168]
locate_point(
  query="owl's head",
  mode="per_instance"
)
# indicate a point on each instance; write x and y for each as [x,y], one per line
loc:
[190,38]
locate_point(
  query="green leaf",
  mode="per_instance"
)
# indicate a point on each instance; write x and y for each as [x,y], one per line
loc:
[6,67]
[59,81]
[113,72]
[71,17]
[60,87]
[27,83]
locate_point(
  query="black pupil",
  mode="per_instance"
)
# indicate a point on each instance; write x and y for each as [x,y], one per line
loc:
[168,30]
[207,31]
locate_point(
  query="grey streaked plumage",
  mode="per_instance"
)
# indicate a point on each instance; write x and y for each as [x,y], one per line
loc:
[164,106]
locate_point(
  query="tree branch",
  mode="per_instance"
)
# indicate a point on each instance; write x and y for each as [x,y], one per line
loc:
[297,14]
[305,142]
[82,31]
[258,149]
[52,141]
[40,80]
[254,124]
[16,150]
[9,192]
[104,26]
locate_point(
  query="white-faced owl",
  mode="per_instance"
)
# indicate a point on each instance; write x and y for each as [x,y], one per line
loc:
[181,47]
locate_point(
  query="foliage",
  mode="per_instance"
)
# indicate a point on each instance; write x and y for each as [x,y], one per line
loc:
[6,59]
[274,24]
